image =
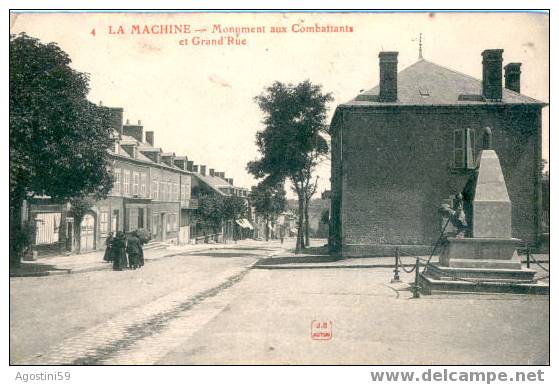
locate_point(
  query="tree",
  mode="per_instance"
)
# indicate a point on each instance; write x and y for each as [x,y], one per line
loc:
[309,191]
[58,139]
[234,208]
[268,202]
[214,210]
[325,216]
[209,214]
[292,143]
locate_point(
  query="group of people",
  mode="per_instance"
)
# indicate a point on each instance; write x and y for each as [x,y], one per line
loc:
[124,251]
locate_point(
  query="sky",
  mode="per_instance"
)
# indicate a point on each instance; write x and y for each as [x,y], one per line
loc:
[199,98]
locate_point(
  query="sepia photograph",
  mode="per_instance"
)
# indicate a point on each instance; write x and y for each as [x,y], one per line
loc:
[280,188]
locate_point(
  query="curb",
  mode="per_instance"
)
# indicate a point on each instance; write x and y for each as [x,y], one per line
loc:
[40,273]
[295,267]
[108,266]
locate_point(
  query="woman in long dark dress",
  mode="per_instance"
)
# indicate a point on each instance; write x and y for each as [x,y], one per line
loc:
[108,257]
[119,252]
[133,249]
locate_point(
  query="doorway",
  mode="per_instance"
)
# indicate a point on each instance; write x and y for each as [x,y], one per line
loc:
[69,236]
[114,222]
[87,233]
[163,227]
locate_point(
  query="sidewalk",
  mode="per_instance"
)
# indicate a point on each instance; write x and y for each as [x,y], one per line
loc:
[302,261]
[81,263]
[316,257]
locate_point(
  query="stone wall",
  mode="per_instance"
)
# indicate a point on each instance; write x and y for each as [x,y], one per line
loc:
[397,168]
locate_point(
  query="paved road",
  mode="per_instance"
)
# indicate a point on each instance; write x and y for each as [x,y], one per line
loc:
[268,321]
[107,317]
[209,308]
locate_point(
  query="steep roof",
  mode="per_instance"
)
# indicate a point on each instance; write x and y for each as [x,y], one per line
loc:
[425,83]
[213,182]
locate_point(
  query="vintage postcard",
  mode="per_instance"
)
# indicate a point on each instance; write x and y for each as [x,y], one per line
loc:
[280,188]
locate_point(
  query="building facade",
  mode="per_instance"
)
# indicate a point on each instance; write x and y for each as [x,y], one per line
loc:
[403,148]
[153,190]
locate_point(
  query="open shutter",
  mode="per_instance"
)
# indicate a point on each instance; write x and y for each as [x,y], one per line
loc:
[470,148]
[459,154]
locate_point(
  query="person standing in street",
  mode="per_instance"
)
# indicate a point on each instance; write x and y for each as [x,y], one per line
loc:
[108,256]
[134,249]
[282,233]
[120,261]
[141,256]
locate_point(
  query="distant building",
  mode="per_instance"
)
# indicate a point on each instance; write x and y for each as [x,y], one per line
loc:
[241,228]
[404,147]
[153,190]
[317,207]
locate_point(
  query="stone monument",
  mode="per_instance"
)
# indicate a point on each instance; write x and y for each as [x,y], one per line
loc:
[488,261]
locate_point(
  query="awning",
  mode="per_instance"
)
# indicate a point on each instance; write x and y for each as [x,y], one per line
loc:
[244,223]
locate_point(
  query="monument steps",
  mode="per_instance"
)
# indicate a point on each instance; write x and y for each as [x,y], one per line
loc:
[438,272]
[486,260]
[439,286]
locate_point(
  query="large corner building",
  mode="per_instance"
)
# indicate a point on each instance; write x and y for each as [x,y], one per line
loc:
[401,149]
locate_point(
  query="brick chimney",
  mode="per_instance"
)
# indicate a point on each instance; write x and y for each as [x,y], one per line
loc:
[189,165]
[512,76]
[168,158]
[388,64]
[492,74]
[150,138]
[133,130]
[203,169]
[115,118]
[180,162]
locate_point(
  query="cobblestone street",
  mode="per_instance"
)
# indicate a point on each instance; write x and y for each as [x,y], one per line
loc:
[107,317]
[211,307]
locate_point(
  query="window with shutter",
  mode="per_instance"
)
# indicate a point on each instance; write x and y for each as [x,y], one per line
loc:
[135,183]
[117,182]
[459,148]
[143,181]
[464,148]
[470,148]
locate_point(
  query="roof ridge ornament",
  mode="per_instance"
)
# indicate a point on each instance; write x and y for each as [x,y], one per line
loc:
[420,57]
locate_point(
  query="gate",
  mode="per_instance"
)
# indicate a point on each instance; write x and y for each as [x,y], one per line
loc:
[87,233]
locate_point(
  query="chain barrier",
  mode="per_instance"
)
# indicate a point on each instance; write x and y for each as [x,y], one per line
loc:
[416,287]
[406,270]
[531,257]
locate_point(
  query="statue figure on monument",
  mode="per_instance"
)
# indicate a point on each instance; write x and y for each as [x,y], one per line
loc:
[456,215]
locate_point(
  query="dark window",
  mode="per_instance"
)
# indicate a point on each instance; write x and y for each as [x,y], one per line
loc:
[140,218]
[464,148]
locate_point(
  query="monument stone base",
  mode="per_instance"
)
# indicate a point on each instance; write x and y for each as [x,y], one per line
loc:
[490,253]
[474,265]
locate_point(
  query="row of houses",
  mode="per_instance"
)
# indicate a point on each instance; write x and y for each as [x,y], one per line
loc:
[153,190]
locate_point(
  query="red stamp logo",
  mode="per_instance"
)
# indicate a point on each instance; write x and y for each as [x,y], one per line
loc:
[321,330]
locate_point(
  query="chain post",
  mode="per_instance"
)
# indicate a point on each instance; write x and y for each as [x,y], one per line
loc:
[396,264]
[416,287]
[527,255]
